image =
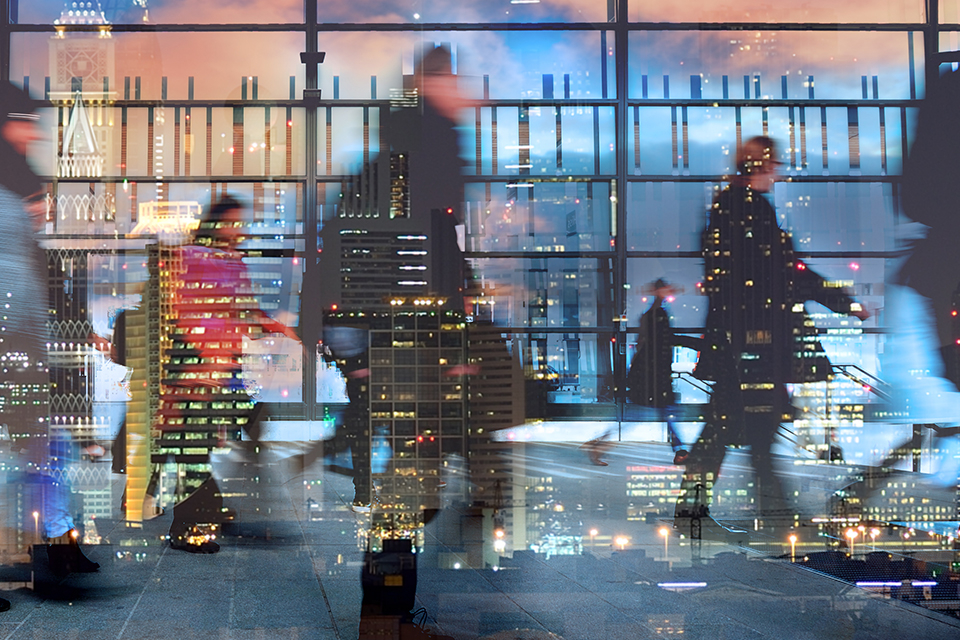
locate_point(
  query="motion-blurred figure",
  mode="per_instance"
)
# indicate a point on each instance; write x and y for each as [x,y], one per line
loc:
[24,374]
[346,346]
[922,361]
[650,377]
[423,205]
[215,308]
[759,337]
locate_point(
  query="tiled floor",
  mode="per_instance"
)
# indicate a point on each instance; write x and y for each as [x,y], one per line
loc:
[295,573]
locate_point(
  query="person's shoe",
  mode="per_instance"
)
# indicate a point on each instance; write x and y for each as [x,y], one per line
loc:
[197,538]
[594,450]
[413,626]
[66,556]
[680,457]
[359,506]
[207,547]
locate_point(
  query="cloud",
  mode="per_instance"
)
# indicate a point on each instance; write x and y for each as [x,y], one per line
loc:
[837,61]
[227,11]
[857,11]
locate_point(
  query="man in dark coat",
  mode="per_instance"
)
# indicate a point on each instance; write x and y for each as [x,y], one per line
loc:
[760,336]
[650,378]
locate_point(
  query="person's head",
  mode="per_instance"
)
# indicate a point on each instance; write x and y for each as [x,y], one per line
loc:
[18,120]
[661,289]
[437,61]
[436,82]
[221,225]
[18,128]
[757,163]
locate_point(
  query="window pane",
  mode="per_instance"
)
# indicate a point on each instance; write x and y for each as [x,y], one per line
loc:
[162,66]
[813,11]
[427,11]
[666,216]
[525,215]
[772,65]
[549,293]
[156,12]
[498,65]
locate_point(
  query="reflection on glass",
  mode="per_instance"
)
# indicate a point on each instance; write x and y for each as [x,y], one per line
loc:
[817,11]
[438,11]
[161,66]
[536,215]
[747,65]
[441,464]
[151,12]
[498,65]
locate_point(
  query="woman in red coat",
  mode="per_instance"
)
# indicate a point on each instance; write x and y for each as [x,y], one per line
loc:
[203,399]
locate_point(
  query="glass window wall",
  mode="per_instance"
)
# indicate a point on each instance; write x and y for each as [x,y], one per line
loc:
[548,317]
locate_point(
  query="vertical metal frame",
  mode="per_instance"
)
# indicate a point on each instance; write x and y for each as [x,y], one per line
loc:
[618,23]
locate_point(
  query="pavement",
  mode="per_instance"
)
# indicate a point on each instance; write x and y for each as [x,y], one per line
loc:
[290,569]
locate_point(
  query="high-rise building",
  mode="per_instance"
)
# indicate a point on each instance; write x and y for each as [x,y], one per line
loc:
[376,259]
[417,397]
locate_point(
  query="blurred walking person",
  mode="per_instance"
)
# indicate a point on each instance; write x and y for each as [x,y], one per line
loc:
[215,308]
[24,373]
[759,335]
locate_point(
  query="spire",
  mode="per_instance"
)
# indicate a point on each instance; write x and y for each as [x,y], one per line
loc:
[80,155]
[81,12]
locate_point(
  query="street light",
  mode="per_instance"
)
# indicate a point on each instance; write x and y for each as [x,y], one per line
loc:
[622,541]
[873,535]
[36,525]
[499,545]
[852,535]
[793,547]
[593,534]
[666,541]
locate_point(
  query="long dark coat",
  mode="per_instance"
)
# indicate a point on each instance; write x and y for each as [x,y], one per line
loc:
[650,378]
[757,288]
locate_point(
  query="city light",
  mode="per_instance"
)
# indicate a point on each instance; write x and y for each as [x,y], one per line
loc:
[852,536]
[681,585]
[424,385]
[499,545]
[665,532]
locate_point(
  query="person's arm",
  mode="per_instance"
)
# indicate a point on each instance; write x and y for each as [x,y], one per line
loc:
[268,324]
[257,317]
[812,286]
[689,342]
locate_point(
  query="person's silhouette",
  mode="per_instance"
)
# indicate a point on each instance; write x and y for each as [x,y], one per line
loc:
[759,335]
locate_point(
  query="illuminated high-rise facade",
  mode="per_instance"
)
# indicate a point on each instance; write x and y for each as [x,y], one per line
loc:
[592,139]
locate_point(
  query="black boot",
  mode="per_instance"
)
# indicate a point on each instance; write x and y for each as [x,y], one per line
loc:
[196,520]
[66,556]
[195,538]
